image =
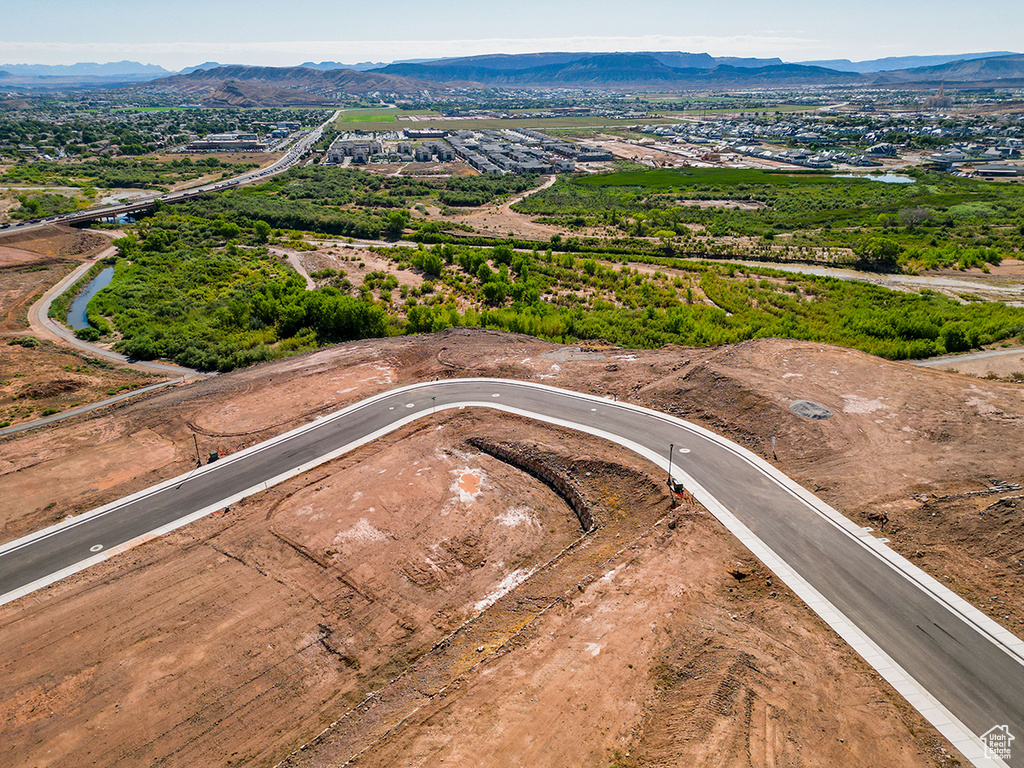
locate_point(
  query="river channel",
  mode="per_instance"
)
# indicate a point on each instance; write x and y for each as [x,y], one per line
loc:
[77,318]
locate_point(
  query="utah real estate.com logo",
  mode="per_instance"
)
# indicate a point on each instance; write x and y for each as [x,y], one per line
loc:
[997,742]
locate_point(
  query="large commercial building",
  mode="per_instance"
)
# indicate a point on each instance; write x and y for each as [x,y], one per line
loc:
[228,142]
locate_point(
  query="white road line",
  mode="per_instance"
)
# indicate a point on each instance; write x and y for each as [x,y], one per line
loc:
[942,719]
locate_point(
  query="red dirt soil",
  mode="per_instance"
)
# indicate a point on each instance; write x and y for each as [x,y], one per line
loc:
[252,631]
[35,378]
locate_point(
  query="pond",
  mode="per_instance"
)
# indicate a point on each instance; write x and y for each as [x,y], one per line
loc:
[885,178]
[77,318]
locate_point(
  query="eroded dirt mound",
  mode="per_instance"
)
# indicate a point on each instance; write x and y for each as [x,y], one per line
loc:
[51,388]
[51,241]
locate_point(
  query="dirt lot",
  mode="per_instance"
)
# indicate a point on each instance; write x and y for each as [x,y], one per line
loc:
[1009,366]
[44,376]
[355,262]
[656,640]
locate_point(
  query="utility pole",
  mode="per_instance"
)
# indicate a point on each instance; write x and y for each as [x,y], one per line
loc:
[199,461]
[671,447]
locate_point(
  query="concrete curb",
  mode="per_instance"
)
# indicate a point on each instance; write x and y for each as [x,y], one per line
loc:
[86,408]
[944,721]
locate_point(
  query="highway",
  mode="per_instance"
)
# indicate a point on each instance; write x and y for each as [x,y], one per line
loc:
[962,671]
[293,156]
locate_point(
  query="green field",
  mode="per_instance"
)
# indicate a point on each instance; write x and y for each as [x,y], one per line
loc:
[940,220]
[723,178]
[386,122]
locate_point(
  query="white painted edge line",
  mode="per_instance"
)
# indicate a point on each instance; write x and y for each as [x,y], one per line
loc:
[1004,639]
[928,706]
[943,720]
[201,513]
[106,508]
[1009,642]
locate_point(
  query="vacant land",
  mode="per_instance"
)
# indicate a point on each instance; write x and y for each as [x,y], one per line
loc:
[40,376]
[381,120]
[656,639]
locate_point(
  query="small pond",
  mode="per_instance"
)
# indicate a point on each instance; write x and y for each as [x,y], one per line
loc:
[885,178]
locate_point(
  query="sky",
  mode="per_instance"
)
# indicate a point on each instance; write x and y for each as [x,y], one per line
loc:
[180,33]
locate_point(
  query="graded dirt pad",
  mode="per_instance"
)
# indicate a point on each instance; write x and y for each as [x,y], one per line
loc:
[665,659]
[47,376]
[253,631]
[463,593]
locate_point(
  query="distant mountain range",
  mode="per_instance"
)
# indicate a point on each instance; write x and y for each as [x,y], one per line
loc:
[610,70]
[687,70]
[327,80]
[292,85]
[503,62]
[996,71]
[86,69]
[899,62]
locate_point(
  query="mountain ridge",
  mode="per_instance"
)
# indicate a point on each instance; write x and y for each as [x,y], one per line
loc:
[565,70]
[328,83]
[86,69]
[889,63]
[612,69]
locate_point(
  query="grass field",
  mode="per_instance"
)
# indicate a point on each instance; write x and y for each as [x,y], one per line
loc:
[718,177]
[388,122]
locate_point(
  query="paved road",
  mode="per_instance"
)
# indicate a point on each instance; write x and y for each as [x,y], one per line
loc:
[36,423]
[40,322]
[934,362]
[947,648]
[292,157]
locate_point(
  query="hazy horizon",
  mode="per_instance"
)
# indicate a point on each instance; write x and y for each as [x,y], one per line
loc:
[353,62]
[260,32]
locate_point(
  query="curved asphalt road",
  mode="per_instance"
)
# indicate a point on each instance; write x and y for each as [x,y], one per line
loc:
[965,673]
